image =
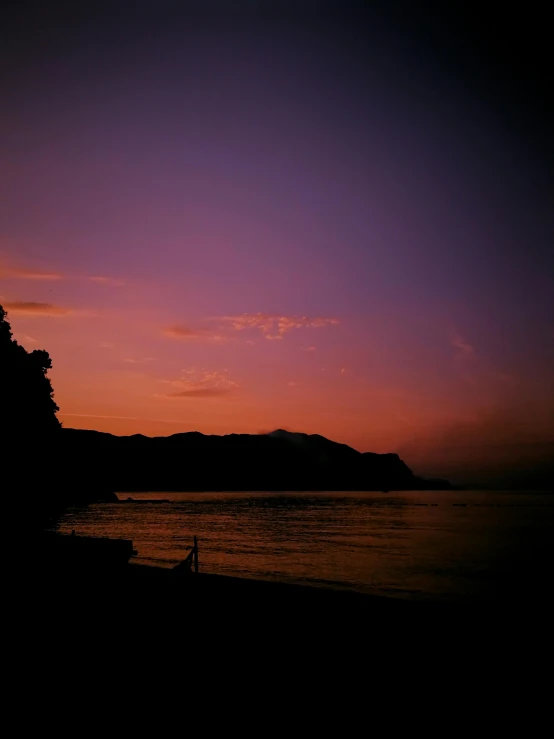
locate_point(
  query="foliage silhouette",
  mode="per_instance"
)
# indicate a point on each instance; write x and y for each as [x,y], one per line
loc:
[27,405]
[29,430]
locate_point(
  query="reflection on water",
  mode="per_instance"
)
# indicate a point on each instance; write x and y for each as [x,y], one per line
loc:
[462,546]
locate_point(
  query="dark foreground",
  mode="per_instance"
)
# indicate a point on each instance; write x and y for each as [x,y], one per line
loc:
[135,598]
[143,629]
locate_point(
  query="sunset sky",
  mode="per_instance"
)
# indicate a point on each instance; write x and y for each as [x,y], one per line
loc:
[329,222]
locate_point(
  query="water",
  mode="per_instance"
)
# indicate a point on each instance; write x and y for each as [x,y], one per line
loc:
[459,546]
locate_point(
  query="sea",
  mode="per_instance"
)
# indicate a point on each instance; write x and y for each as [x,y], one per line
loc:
[459,546]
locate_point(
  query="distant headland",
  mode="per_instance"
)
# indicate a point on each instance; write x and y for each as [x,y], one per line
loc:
[280,460]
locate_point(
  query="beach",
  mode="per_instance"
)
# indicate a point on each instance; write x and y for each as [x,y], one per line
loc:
[137,596]
[142,629]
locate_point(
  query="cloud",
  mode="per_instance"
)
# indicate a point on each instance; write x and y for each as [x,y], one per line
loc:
[16,272]
[180,332]
[202,384]
[37,309]
[200,392]
[495,447]
[276,326]
[292,383]
[273,327]
[119,418]
[308,348]
[185,333]
[23,273]
[463,348]
[107,280]
[138,361]
[477,372]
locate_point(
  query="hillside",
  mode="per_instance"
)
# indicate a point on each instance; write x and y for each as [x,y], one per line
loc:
[280,460]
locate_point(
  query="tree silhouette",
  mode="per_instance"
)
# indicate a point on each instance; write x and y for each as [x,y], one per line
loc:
[27,407]
[29,430]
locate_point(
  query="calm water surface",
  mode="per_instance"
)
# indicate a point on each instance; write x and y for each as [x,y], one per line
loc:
[448,545]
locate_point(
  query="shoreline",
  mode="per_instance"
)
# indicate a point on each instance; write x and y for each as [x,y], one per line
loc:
[160,590]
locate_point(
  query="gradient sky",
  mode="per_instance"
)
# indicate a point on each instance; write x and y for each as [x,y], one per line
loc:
[326,221]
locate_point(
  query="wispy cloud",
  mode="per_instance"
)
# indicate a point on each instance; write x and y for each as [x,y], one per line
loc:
[24,273]
[200,392]
[139,361]
[9,270]
[202,384]
[37,309]
[275,326]
[225,328]
[119,418]
[463,348]
[181,332]
[184,333]
[112,281]
[477,372]
[308,348]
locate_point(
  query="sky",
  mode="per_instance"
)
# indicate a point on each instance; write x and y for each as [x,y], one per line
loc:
[314,216]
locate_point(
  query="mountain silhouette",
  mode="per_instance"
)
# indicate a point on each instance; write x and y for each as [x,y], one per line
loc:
[192,461]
